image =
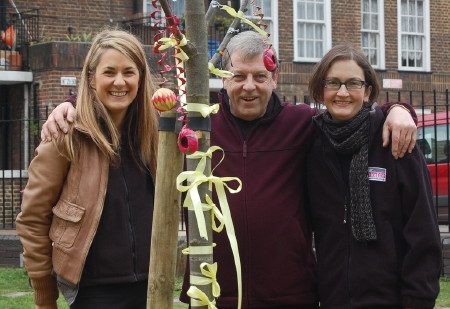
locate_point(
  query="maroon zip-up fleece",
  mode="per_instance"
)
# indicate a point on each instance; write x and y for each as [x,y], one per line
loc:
[273,234]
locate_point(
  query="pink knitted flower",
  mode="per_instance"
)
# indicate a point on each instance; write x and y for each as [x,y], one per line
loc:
[187,140]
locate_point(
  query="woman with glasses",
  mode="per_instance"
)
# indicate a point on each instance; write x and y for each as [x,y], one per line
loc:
[376,233]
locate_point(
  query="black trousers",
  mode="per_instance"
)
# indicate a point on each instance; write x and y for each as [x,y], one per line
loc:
[112,296]
[312,306]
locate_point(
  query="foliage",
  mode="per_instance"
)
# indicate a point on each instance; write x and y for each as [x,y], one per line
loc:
[222,23]
[83,37]
[72,38]
[86,37]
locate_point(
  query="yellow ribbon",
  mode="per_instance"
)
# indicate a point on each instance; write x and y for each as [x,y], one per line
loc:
[195,178]
[210,272]
[199,298]
[173,42]
[200,250]
[215,213]
[221,73]
[240,15]
[204,109]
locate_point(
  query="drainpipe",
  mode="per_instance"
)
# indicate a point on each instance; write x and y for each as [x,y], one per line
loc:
[3,5]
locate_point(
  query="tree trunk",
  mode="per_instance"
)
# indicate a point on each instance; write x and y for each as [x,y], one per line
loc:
[197,86]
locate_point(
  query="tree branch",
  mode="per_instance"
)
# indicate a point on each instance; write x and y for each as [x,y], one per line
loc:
[212,10]
[229,34]
[189,48]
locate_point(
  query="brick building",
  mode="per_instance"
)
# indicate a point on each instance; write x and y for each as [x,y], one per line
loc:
[405,40]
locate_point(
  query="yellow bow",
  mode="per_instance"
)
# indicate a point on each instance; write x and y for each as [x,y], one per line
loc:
[173,42]
[210,272]
[215,213]
[199,298]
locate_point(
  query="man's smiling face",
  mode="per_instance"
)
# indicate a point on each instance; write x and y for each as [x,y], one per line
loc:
[251,86]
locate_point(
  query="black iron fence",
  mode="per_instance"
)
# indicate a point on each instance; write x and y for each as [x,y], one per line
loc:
[20,131]
[24,27]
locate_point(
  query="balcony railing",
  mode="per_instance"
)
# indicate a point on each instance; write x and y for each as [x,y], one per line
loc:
[26,32]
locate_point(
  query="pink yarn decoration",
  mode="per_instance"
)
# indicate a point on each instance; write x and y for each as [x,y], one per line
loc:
[187,141]
[164,99]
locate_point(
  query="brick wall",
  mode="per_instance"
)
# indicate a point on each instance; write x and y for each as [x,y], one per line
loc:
[10,251]
[10,200]
[346,25]
[82,16]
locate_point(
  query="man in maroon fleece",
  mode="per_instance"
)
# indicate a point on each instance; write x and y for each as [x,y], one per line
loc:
[265,143]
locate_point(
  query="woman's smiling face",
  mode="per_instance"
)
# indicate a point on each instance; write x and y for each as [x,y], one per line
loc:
[342,103]
[116,82]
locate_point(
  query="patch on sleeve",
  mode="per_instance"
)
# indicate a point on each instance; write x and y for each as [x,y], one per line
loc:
[377,174]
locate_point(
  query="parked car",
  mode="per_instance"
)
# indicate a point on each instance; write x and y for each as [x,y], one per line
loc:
[433,139]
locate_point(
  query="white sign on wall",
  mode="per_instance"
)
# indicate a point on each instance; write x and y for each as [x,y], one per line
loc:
[393,83]
[69,81]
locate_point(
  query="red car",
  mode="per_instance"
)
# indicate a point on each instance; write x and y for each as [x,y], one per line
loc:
[433,139]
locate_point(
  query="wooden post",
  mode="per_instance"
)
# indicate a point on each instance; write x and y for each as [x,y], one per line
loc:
[166,217]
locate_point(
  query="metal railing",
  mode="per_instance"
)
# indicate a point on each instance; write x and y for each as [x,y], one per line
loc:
[19,137]
[26,32]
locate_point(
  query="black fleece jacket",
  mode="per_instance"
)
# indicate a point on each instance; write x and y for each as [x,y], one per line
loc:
[401,268]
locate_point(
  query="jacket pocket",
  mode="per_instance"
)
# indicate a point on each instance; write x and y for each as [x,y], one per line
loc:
[66,223]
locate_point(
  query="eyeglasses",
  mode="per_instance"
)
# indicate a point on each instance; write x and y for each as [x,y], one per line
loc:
[353,84]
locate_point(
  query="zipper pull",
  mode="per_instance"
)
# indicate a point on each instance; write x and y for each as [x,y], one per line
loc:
[244,150]
[345,211]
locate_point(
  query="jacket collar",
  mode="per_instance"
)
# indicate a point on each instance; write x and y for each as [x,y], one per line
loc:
[273,108]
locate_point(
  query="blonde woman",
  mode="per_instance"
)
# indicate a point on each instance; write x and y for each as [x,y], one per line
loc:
[87,209]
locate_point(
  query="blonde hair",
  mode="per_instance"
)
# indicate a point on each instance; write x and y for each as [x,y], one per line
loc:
[140,123]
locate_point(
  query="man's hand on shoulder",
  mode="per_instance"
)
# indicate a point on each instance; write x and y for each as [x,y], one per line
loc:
[57,118]
[400,125]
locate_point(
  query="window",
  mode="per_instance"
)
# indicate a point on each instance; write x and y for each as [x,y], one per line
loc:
[270,10]
[312,29]
[177,8]
[372,32]
[414,35]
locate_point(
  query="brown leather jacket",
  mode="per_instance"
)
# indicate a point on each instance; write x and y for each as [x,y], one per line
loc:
[61,208]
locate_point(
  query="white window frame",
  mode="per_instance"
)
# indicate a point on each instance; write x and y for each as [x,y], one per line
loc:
[426,55]
[381,52]
[327,31]
[273,19]
[147,3]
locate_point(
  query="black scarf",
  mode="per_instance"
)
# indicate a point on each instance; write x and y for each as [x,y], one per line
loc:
[352,137]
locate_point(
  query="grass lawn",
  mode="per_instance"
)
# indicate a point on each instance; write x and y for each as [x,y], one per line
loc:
[444,296]
[14,280]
